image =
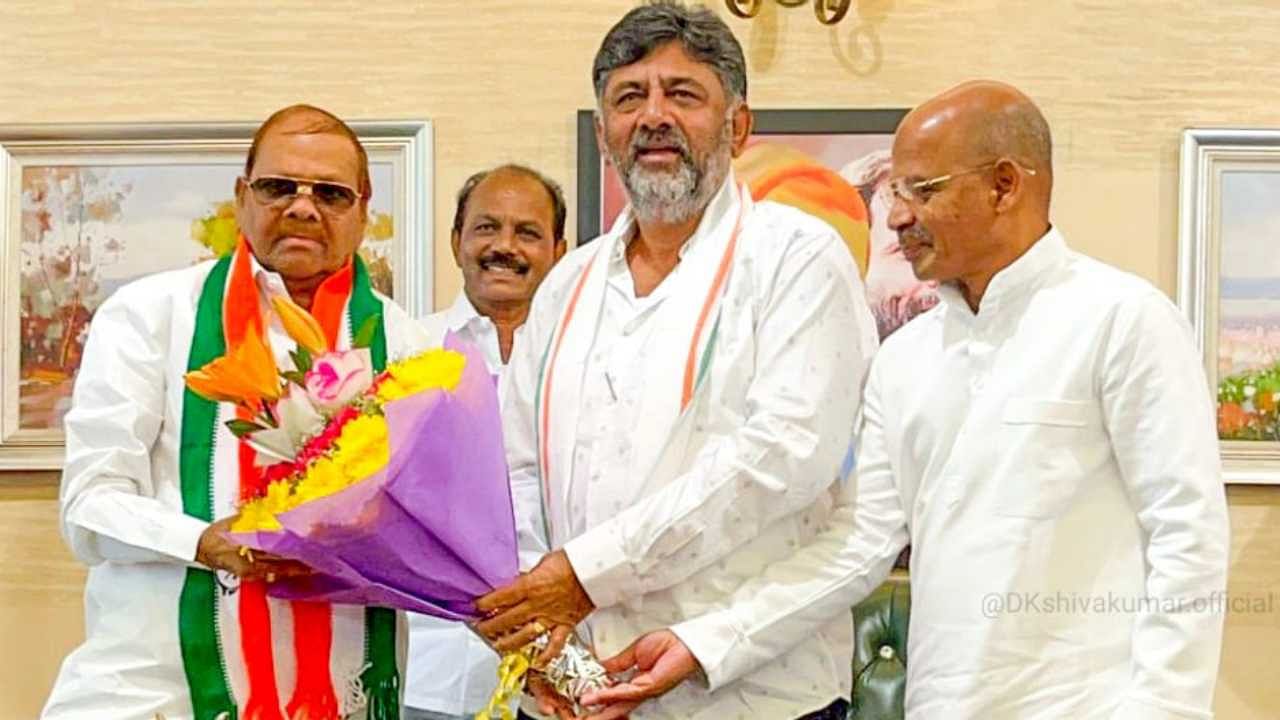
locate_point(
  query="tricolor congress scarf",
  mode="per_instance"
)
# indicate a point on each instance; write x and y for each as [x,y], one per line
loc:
[674,375]
[228,307]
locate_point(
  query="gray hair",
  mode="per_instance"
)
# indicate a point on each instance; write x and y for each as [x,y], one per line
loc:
[703,34]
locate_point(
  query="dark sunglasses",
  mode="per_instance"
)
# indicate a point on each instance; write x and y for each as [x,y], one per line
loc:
[328,195]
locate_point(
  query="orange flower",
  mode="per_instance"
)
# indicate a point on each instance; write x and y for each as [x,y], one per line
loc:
[300,325]
[1232,419]
[1265,401]
[246,375]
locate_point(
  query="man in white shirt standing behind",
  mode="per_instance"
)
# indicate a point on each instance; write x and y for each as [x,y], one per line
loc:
[684,395]
[508,230]
[1046,438]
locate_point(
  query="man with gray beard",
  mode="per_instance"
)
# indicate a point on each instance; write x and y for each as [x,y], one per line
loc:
[682,399]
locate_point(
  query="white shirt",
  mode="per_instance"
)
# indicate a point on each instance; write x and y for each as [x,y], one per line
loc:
[451,670]
[1054,459]
[794,340]
[463,320]
[121,498]
[620,346]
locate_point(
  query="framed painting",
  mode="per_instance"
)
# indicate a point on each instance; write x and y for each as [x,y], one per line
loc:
[88,208]
[1229,286]
[833,163]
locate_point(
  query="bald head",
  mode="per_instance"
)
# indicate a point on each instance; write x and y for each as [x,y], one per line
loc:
[997,120]
[984,121]
[974,174]
[305,119]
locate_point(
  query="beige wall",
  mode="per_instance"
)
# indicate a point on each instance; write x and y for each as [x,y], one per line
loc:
[501,80]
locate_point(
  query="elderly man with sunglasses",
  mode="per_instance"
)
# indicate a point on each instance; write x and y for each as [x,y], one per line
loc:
[1044,437]
[178,623]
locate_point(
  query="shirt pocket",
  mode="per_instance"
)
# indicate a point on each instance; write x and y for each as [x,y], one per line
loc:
[1040,441]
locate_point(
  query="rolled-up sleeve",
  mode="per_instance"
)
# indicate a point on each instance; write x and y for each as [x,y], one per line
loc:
[814,338]
[1160,416]
[109,509]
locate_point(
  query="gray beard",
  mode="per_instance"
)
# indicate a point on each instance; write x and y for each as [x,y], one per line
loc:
[659,197]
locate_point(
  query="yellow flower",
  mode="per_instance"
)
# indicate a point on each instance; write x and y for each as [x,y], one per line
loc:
[362,433]
[428,371]
[362,448]
[279,497]
[255,516]
[359,467]
[323,478]
[300,325]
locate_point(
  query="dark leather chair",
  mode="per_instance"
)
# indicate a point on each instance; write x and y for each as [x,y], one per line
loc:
[880,651]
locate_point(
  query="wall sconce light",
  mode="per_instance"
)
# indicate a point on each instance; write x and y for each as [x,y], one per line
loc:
[829,12]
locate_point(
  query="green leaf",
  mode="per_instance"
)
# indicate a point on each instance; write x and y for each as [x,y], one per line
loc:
[364,338]
[301,359]
[296,377]
[241,428]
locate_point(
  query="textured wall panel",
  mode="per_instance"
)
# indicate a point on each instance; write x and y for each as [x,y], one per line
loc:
[501,80]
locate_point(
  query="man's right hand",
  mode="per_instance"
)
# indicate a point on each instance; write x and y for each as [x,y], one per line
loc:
[217,552]
[660,661]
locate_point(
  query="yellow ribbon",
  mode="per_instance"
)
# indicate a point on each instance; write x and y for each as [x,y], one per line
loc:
[511,675]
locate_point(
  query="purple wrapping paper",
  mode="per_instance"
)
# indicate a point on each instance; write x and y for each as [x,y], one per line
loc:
[430,532]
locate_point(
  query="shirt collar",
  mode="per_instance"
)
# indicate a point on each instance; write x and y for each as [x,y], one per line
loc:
[1022,275]
[269,282]
[722,205]
[461,313]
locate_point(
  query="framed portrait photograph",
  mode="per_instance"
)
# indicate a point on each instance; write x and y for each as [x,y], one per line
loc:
[1229,286]
[89,208]
[834,164]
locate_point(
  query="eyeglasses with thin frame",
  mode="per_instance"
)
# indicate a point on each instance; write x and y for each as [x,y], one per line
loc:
[916,193]
[278,190]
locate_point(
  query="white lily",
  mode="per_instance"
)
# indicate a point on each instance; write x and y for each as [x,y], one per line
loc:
[273,446]
[298,416]
[298,420]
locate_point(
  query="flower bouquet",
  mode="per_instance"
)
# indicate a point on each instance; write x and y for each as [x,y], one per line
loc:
[392,486]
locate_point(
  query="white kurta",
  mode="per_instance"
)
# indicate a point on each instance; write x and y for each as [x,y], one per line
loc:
[766,437]
[451,670]
[121,504]
[1054,459]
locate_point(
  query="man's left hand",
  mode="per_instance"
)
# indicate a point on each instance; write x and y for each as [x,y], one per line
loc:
[660,660]
[548,596]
